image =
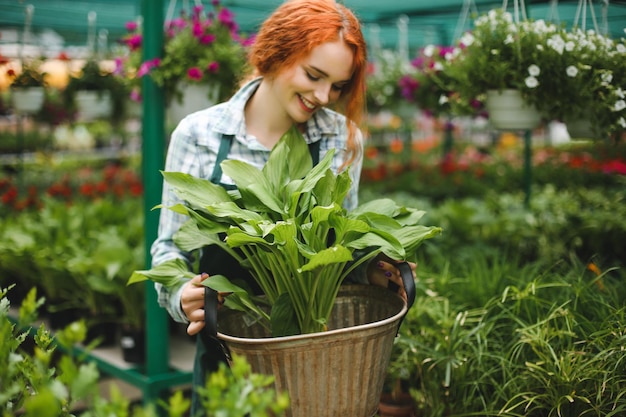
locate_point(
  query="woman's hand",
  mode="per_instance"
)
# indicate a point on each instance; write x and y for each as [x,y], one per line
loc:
[192,303]
[382,271]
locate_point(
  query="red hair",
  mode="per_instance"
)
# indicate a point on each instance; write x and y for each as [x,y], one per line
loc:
[294,29]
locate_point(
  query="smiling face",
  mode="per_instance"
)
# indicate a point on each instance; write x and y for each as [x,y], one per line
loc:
[315,81]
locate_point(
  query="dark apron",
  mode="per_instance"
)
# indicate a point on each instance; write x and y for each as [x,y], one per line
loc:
[216,261]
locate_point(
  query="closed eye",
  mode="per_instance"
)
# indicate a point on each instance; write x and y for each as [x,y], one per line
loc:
[335,87]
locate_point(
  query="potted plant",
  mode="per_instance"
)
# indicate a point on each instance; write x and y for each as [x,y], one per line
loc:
[287,224]
[27,88]
[383,89]
[203,56]
[430,86]
[95,93]
[552,72]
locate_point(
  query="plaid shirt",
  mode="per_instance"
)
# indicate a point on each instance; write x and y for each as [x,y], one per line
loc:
[193,149]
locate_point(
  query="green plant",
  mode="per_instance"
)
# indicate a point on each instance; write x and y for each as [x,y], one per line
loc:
[93,77]
[564,74]
[199,48]
[29,76]
[431,87]
[46,381]
[385,71]
[287,224]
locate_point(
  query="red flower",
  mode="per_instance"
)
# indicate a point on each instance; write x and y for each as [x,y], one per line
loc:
[63,57]
[10,195]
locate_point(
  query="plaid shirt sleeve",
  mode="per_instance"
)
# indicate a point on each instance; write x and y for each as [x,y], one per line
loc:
[180,158]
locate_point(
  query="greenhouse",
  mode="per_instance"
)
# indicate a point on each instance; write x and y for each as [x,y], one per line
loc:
[311,208]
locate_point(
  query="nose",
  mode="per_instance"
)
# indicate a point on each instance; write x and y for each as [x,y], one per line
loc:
[322,93]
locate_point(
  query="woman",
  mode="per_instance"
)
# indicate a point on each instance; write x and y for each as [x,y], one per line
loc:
[308,56]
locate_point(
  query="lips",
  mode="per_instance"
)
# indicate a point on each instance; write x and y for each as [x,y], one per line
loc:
[306,104]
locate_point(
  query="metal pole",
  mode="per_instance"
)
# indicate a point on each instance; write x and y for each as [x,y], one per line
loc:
[153,149]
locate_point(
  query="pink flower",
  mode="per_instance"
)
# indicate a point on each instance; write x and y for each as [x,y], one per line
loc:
[145,67]
[247,42]
[227,18]
[135,95]
[614,166]
[131,26]
[213,67]
[196,11]
[134,42]
[197,30]
[194,73]
[119,66]
[207,39]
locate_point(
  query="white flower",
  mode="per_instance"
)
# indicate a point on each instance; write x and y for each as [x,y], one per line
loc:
[606,77]
[557,43]
[438,66]
[494,52]
[569,46]
[429,50]
[622,122]
[443,99]
[620,93]
[571,71]
[534,70]
[467,39]
[509,39]
[531,82]
[621,48]
[619,105]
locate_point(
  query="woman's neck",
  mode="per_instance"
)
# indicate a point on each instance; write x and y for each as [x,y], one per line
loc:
[265,118]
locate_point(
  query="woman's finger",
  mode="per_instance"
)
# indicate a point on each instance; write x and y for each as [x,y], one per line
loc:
[194,327]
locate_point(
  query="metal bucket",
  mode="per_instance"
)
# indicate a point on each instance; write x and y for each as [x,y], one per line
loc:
[335,373]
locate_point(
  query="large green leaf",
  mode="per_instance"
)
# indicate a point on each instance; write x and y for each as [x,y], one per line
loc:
[382,206]
[333,255]
[190,238]
[288,161]
[233,212]
[169,273]
[238,298]
[255,189]
[196,191]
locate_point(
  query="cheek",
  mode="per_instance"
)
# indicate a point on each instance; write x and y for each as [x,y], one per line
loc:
[334,96]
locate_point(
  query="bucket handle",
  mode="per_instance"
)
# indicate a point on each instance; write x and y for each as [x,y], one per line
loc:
[409,286]
[209,333]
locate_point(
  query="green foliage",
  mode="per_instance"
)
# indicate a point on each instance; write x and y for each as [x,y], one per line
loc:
[238,393]
[564,74]
[29,76]
[93,78]
[545,342]
[383,88]
[214,56]
[79,256]
[43,381]
[293,233]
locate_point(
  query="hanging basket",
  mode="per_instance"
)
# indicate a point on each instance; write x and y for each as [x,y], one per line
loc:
[195,97]
[339,372]
[92,105]
[508,111]
[580,128]
[27,100]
